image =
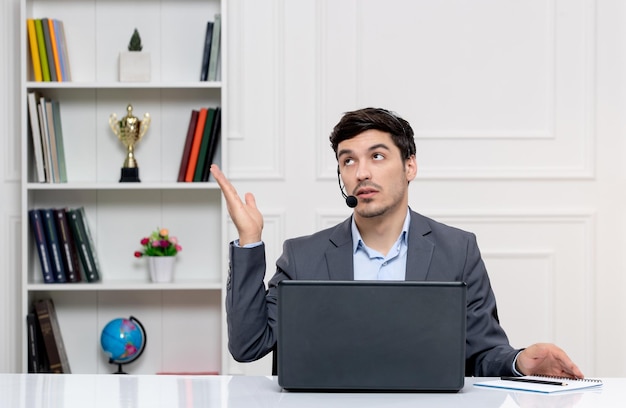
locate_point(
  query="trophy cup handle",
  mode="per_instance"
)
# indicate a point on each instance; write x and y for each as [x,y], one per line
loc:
[143,127]
[115,125]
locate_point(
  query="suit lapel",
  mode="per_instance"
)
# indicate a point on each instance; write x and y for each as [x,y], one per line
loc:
[339,258]
[420,249]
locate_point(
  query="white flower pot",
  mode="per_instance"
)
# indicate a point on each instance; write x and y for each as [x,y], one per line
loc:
[134,66]
[161,268]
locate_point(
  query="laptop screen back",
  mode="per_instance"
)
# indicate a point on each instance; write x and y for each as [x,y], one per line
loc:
[362,335]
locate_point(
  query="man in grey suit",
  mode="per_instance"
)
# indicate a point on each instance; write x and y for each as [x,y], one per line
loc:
[383,240]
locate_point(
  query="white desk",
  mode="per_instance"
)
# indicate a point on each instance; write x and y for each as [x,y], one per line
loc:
[148,391]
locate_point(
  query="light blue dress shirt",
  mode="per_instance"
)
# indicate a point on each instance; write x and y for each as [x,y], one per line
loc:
[370,264]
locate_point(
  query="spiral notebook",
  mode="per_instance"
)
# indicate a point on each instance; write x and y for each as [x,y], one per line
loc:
[542,384]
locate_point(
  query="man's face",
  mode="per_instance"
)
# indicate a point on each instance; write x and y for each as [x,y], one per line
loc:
[373,170]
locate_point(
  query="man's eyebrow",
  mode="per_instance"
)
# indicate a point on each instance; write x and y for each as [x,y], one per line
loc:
[379,146]
[371,148]
[343,151]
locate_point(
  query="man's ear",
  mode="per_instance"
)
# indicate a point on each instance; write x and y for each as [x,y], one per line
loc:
[410,167]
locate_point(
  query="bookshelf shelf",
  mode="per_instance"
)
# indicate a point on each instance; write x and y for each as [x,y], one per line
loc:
[128,285]
[210,186]
[122,85]
[119,215]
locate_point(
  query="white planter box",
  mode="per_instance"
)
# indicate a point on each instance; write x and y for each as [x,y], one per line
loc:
[134,66]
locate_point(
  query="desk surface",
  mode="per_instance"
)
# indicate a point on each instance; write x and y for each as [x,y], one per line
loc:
[130,391]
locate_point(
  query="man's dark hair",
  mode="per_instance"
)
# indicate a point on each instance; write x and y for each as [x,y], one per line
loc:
[358,121]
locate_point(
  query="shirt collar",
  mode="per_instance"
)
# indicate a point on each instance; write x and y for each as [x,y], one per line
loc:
[357,241]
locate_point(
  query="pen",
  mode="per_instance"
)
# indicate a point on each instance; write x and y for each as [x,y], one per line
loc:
[531,380]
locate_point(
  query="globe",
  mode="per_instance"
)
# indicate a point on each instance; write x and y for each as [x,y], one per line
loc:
[123,340]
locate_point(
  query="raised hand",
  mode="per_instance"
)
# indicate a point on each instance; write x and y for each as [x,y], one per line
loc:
[246,216]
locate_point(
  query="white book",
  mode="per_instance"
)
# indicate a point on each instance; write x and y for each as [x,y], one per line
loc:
[47,158]
[36,135]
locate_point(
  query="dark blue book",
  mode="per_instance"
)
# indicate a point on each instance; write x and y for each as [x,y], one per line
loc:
[54,245]
[41,243]
[204,73]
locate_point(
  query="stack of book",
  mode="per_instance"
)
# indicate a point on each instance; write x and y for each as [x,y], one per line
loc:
[65,246]
[48,50]
[46,350]
[203,135]
[210,70]
[47,134]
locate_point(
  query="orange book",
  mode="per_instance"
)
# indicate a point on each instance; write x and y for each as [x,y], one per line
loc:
[195,146]
[34,49]
[55,51]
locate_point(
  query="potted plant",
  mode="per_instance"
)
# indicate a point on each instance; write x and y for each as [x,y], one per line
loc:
[161,249]
[135,63]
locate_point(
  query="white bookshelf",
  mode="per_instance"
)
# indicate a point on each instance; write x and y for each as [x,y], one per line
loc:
[184,320]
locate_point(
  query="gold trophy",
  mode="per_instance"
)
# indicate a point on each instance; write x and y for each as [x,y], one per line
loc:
[129,131]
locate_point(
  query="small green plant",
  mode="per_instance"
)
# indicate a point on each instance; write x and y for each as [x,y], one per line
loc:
[135,42]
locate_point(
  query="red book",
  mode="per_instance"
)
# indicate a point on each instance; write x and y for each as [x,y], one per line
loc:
[184,162]
[195,146]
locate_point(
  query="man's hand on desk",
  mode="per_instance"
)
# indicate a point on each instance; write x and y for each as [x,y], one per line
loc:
[547,359]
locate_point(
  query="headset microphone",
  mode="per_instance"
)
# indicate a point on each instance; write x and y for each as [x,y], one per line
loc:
[351,201]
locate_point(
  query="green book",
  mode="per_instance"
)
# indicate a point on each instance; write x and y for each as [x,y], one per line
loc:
[204,146]
[47,38]
[41,43]
[215,47]
[58,132]
[86,252]
[92,243]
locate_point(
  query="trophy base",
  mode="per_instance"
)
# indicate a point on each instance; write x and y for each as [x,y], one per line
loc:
[130,175]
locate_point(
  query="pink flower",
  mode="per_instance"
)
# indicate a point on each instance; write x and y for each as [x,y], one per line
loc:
[159,243]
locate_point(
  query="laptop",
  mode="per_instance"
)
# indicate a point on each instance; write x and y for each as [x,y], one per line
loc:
[371,336]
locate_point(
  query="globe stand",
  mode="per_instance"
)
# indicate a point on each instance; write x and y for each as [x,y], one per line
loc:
[119,367]
[139,352]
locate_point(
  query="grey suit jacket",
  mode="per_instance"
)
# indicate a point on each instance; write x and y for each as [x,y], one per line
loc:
[436,252]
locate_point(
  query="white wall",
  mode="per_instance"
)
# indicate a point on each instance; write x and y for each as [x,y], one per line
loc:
[517,110]
[517,107]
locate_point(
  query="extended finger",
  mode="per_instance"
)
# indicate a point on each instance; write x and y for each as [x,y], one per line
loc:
[229,191]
